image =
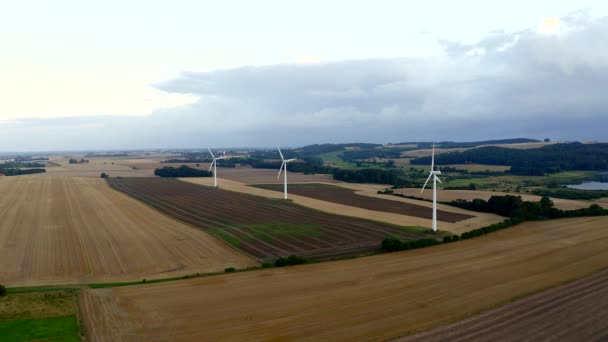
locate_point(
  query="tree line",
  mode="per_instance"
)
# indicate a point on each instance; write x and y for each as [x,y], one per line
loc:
[18,172]
[182,171]
[532,162]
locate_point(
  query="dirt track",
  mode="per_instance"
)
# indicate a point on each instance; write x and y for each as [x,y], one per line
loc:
[373,298]
[64,230]
[577,311]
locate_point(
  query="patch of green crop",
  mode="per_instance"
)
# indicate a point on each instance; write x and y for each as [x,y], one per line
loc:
[52,329]
[225,236]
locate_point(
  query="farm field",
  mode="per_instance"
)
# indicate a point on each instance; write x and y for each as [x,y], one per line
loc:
[145,166]
[262,227]
[428,151]
[250,175]
[69,230]
[542,316]
[370,190]
[479,167]
[374,298]
[469,195]
[345,196]
[94,168]
[42,316]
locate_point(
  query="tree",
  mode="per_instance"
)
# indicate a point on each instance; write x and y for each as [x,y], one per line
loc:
[2,290]
[546,204]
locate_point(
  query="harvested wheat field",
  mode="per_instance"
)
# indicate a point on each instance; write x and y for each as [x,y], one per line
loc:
[577,311]
[250,175]
[262,227]
[337,194]
[63,230]
[373,298]
[95,167]
[469,195]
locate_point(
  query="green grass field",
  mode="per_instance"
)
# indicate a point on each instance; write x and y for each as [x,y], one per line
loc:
[332,159]
[38,316]
[53,329]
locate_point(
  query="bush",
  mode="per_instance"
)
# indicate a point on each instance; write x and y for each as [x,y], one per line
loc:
[2,290]
[393,244]
[290,260]
[182,171]
[230,269]
[447,239]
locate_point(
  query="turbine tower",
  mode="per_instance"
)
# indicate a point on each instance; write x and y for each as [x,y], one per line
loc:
[214,166]
[284,168]
[436,179]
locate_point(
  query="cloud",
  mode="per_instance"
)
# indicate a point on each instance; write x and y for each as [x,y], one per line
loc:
[521,74]
[508,84]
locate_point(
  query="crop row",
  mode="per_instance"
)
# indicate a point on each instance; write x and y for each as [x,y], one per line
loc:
[261,227]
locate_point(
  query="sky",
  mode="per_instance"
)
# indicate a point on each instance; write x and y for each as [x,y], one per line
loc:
[78,75]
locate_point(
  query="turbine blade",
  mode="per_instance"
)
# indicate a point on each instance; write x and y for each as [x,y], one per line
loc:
[439,180]
[280,169]
[280,153]
[211,153]
[290,160]
[211,165]
[425,183]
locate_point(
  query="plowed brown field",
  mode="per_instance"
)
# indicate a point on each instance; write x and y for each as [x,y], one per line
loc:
[373,298]
[577,311]
[63,230]
[264,227]
[345,196]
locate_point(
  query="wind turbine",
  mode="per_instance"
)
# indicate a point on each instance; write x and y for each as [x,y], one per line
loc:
[436,179]
[284,167]
[214,166]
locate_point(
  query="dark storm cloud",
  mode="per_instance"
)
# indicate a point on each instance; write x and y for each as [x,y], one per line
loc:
[519,75]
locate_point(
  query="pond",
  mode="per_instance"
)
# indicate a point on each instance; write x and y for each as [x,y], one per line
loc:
[589,186]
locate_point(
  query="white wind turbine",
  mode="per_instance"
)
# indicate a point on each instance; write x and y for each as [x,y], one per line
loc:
[284,168]
[436,179]
[214,166]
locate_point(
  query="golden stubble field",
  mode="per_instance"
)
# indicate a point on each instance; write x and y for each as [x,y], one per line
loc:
[373,298]
[69,230]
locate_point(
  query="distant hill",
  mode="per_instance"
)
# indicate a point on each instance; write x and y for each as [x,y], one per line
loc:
[537,161]
[312,150]
[454,144]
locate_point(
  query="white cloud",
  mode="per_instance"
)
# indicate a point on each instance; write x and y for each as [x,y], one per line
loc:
[508,84]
